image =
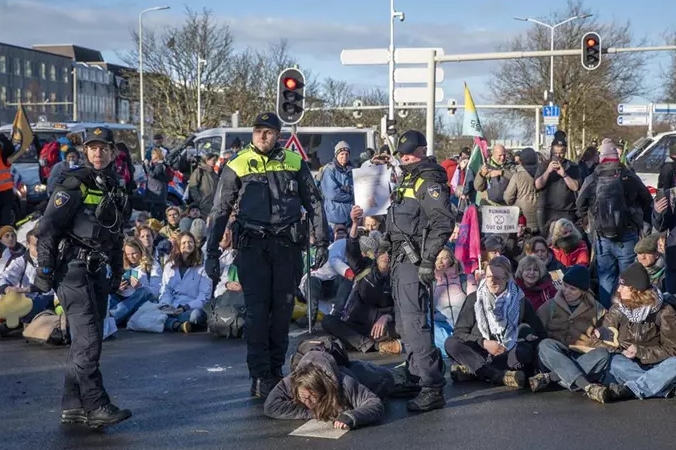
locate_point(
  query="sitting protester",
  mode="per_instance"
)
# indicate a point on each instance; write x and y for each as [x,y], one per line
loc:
[488,342]
[140,282]
[157,245]
[319,389]
[537,246]
[171,229]
[368,321]
[9,247]
[229,280]
[185,286]
[534,280]
[646,364]
[198,228]
[19,277]
[567,356]
[450,291]
[568,245]
[653,261]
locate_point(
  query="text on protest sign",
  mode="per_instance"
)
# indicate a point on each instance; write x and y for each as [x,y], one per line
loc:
[499,219]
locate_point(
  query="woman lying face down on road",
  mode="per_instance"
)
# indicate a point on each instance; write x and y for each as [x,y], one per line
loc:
[319,389]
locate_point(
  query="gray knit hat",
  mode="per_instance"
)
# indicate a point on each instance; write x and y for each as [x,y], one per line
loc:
[198,228]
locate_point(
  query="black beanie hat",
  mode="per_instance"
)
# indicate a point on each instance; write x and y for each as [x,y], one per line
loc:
[559,139]
[636,277]
[578,276]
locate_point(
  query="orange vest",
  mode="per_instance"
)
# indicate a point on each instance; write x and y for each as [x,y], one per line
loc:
[6,180]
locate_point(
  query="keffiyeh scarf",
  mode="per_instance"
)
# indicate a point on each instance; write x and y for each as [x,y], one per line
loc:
[498,317]
[638,315]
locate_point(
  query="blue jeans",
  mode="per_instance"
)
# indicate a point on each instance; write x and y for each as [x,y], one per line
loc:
[122,308]
[645,381]
[195,316]
[613,257]
[40,303]
[569,366]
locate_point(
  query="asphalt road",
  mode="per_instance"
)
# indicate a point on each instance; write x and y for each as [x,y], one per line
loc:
[191,392]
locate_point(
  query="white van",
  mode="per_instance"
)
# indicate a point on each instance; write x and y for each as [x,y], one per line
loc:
[648,156]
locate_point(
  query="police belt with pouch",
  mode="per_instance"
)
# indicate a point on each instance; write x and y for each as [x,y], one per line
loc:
[71,250]
[295,232]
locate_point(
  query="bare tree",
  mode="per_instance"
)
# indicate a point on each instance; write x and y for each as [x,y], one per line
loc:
[669,74]
[587,99]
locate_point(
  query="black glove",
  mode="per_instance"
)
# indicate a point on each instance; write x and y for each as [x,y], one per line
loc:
[426,272]
[43,282]
[212,267]
[321,257]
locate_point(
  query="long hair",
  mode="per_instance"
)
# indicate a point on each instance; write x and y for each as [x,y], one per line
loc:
[176,257]
[529,246]
[146,262]
[559,226]
[639,299]
[330,399]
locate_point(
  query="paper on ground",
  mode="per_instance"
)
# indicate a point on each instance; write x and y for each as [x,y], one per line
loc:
[317,429]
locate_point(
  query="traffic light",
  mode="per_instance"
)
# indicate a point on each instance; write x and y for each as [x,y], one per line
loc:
[291,96]
[591,51]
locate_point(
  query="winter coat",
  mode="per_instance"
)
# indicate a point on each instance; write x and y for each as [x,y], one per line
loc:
[363,406]
[202,188]
[521,192]
[578,256]
[335,266]
[494,187]
[169,231]
[667,222]
[337,187]
[19,273]
[193,289]
[450,292]
[151,281]
[156,184]
[571,328]
[554,264]
[449,166]
[654,338]
[226,263]
[540,293]
[7,255]
[54,174]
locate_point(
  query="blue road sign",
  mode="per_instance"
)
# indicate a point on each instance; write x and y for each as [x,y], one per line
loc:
[550,130]
[551,111]
[665,108]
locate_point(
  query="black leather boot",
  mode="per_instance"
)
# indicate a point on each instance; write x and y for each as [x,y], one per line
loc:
[107,415]
[428,400]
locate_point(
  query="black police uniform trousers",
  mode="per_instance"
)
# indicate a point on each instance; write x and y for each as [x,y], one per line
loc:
[411,302]
[83,294]
[269,269]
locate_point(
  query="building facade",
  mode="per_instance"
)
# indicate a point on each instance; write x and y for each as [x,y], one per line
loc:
[34,78]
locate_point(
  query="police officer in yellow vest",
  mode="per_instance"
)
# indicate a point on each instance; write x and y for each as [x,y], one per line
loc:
[269,184]
[80,256]
[419,223]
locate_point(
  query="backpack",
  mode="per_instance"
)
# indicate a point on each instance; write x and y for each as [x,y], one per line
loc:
[48,328]
[611,213]
[327,344]
[225,315]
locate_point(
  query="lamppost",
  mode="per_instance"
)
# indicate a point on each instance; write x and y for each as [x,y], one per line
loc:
[200,62]
[551,29]
[393,15]
[140,71]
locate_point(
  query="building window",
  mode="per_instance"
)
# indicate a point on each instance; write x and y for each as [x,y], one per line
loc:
[52,100]
[66,75]
[3,64]
[52,73]
[3,94]
[28,71]
[43,99]
[66,107]
[17,66]
[17,96]
[43,71]
[29,99]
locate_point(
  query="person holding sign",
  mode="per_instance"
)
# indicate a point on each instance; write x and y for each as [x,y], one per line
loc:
[419,222]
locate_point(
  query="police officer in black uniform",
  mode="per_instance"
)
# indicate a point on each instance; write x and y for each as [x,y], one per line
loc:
[80,256]
[419,222]
[269,184]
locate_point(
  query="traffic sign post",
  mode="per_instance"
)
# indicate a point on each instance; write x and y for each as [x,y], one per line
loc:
[664,108]
[636,116]
[294,144]
[551,114]
[629,121]
[632,109]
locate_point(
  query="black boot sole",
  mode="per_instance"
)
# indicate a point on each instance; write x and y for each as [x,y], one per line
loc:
[439,404]
[99,423]
[74,420]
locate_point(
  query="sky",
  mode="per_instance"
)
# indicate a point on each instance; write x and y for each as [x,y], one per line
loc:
[317,31]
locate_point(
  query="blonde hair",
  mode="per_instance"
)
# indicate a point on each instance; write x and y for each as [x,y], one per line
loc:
[157,153]
[530,261]
[559,226]
[147,260]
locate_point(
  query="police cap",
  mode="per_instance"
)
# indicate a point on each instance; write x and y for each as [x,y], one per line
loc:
[410,141]
[100,134]
[268,120]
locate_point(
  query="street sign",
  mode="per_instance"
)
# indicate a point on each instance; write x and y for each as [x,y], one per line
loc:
[550,130]
[629,121]
[551,114]
[416,95]
[381,56]
[632,109]
[416,75]
[294,144]
[664,108]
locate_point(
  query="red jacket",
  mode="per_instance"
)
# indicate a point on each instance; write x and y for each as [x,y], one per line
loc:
[449,166]
[578,256]
[539,294]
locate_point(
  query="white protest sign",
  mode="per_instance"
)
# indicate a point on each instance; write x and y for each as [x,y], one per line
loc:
[372,189]
[499,219]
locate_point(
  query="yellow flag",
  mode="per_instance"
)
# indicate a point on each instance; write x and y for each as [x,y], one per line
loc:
[22,134]
[471,125]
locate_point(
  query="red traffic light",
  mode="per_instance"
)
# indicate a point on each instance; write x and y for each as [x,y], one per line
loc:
[591,42]
[290,83]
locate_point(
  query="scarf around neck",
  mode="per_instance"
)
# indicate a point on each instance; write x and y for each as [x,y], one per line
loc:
[656,270]
[640,314]
[498,317]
